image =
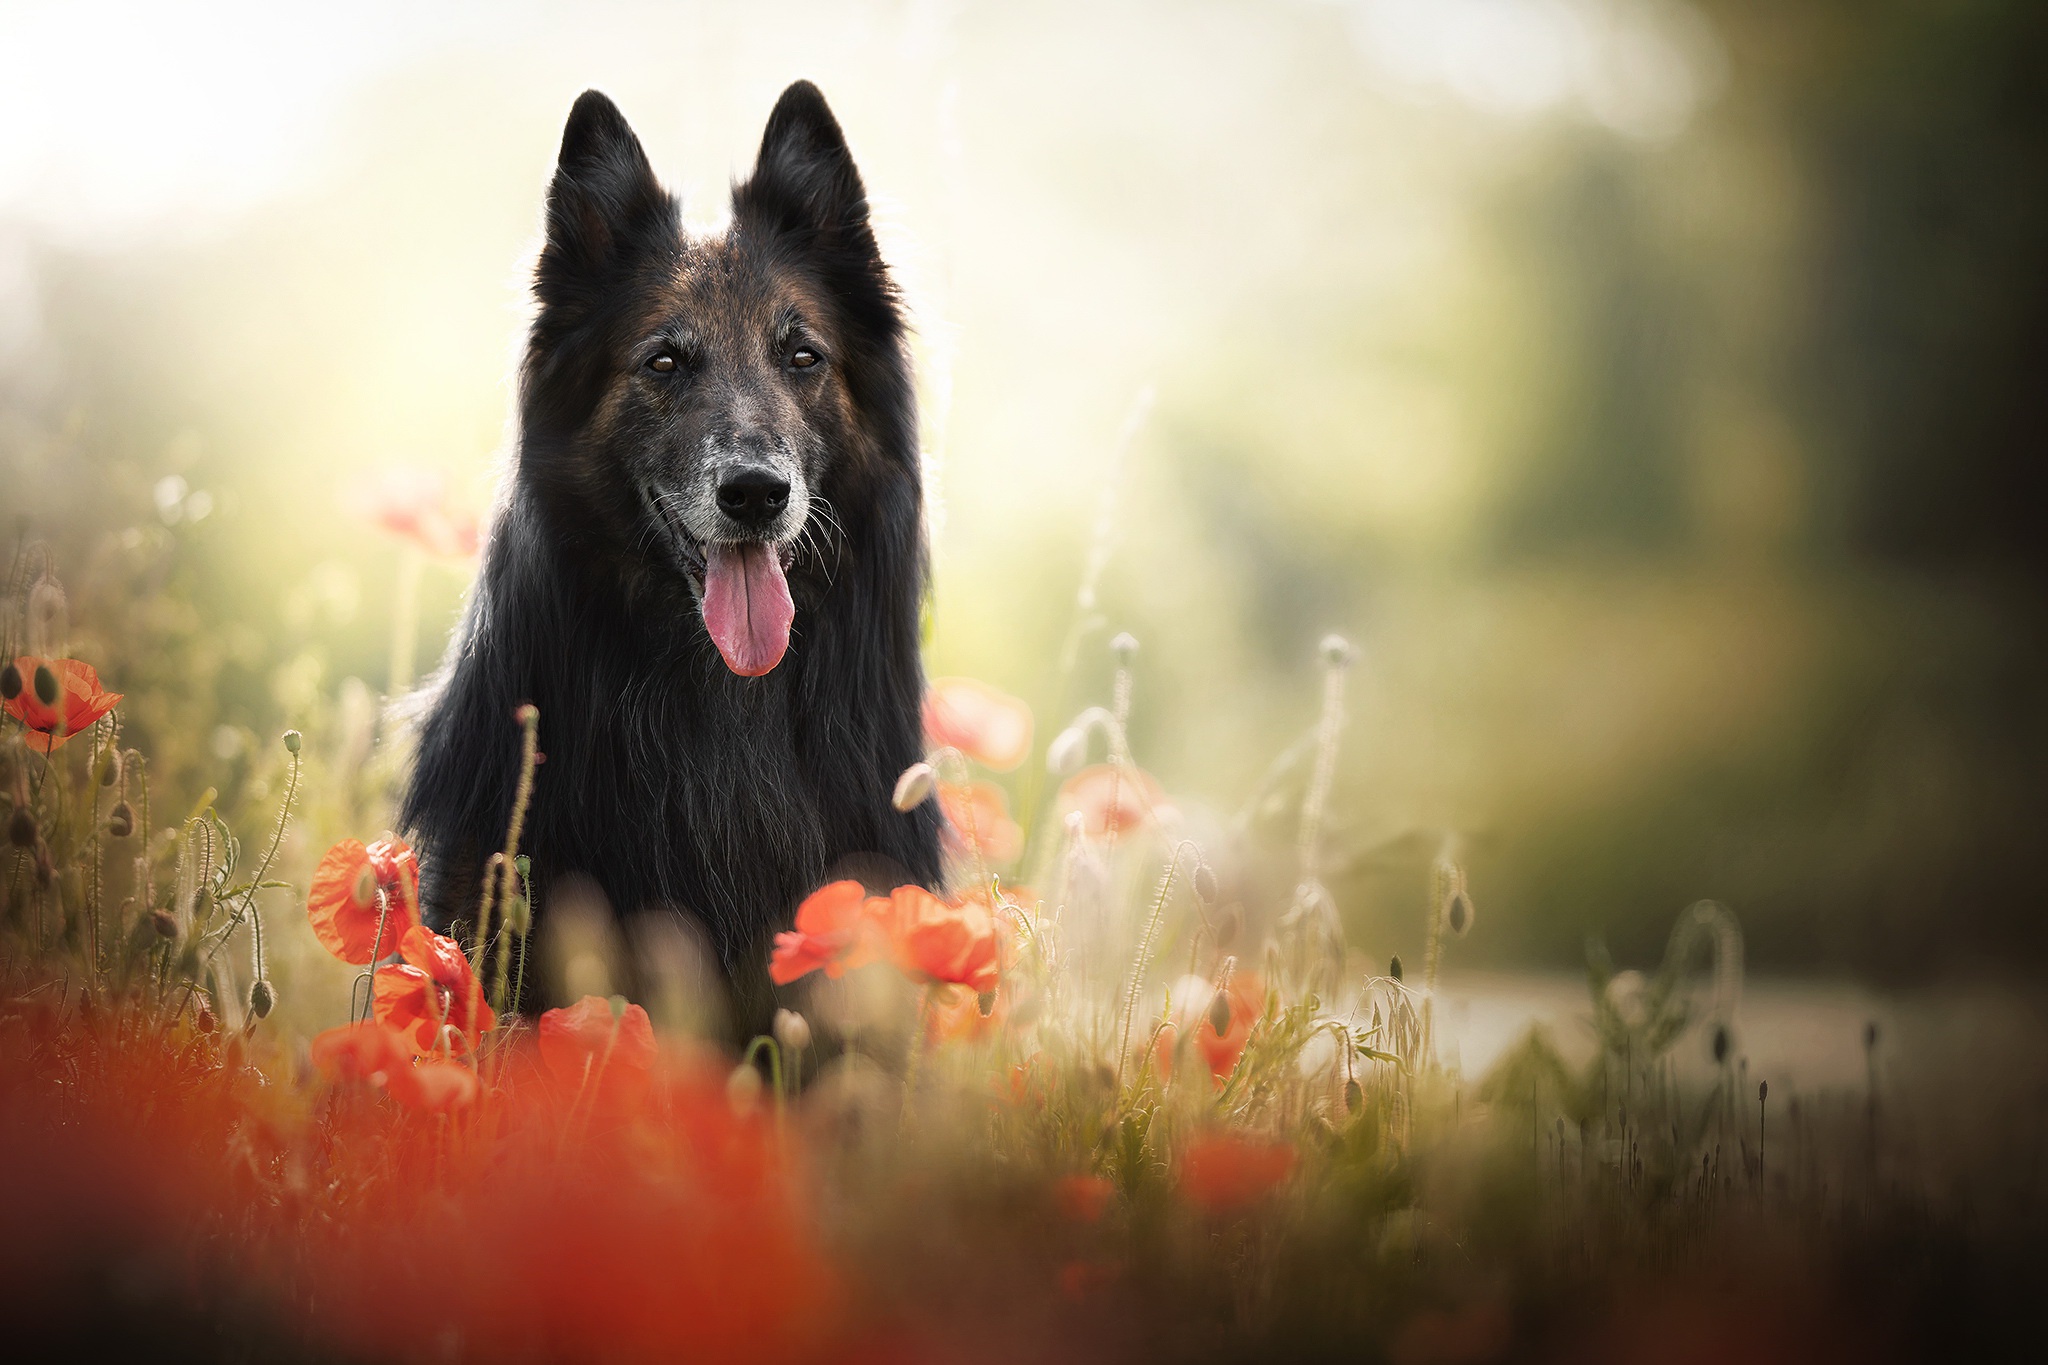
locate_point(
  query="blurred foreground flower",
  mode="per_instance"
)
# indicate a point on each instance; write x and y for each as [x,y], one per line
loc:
[993,728]
[342,902]
[1083,1198]
[380,1056]
[1113,800]
[413,504]
[594,1040]
[1221,1172]
[58,698]
[432,997]
[978,816]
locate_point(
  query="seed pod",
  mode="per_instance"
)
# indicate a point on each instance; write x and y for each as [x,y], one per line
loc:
[1205,883]
[121,820]
[165,923]
[1068,750]
[1227,925]
[1354,1095]
[1720,1043]
[743,1089]
[262,998]
[914,787]
[292,741]
[110,776]
[363,890]
[986,1003]
[1394,967]
[1458,914]
[792,1031]
[21,830]
[202,1017]
[618,1005]
[10,682]
[1219,1013]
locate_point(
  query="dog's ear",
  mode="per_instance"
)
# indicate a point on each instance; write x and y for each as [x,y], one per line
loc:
[604,206]
[804,180]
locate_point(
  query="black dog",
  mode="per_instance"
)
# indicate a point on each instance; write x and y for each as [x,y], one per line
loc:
[708,568]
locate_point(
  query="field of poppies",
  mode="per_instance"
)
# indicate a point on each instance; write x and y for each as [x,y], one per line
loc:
[1126,1092]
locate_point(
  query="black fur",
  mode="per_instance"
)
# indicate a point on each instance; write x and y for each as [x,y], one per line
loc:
[670,780]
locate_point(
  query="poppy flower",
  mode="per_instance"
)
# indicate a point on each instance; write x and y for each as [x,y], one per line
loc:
[1083,1198]
[414,505]
[1224,1171]
[381,1056]
[836,929]
[993,728]
[434,987]
[80,701]
[587,1039]
[942,943]
[978,815]
[1113,799]
[342,903]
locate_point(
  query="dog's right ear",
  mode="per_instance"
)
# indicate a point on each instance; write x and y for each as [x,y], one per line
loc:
[604,206]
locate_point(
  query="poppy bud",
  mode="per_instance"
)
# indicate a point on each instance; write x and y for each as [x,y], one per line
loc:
[110,776]
[986,1003]
[1337,651]
[202,1018]
[518,916]
[743,1089]
[1763,1091]
[527,714]
[262,998]
[1354,1095]
[1219,1013]
[1720,1043]
[1458,914]
[1205,884]
[10,683]
[1394,967]
[164,922]
[1227,925]
[21,830]
[46,685]
[792,1031]
[914,787]
[1068,750]
[1125,647]
[292,741]
[1870,1035]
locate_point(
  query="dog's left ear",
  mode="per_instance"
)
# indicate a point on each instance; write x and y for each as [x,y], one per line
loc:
[804,181]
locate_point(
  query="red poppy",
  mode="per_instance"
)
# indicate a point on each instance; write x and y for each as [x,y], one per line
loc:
[1113,799]
[978,815]
[1224,1171]
[990,727]
[942,943]
[836,929]
[80,701]
[587,1039]
[1083,1198]
[414,505]
[432,995]
[382,1057]
[342,903]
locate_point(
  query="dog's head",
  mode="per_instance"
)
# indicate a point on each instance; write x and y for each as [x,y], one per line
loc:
[694,404]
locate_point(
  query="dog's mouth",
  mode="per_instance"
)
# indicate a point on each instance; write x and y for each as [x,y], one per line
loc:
[742,591]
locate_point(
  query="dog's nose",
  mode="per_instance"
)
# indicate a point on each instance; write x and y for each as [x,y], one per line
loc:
[753,495]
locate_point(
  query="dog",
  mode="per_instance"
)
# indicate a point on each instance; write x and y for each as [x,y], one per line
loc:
[707,566]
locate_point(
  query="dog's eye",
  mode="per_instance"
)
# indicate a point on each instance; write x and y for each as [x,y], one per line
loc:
[662,364]
[803,358]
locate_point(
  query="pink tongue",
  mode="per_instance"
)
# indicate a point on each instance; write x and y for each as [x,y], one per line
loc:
[747,607]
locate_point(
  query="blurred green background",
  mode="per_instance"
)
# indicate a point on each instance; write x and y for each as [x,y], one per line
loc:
[1654,392]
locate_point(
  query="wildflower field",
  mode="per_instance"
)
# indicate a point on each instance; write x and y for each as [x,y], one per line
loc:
[1113,1097]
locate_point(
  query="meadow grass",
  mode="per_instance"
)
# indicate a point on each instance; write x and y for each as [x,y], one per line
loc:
[1187,1121]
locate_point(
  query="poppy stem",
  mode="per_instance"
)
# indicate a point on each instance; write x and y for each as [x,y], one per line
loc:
[1144,957]
[528,716]
[915,1061]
